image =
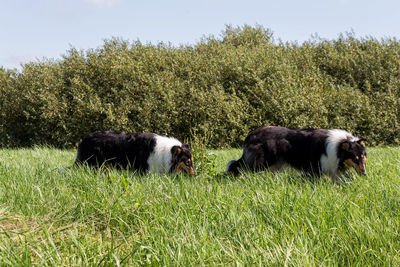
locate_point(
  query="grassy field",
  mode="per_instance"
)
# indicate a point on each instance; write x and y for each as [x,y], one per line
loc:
[51,216]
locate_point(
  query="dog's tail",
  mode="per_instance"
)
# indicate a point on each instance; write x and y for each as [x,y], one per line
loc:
[234,166]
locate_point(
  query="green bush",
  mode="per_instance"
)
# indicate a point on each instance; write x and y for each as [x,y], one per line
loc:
[220,88]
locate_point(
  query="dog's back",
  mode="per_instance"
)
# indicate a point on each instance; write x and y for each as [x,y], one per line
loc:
[117,149]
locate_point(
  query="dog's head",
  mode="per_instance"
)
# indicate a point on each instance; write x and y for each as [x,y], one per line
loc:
[182,159]
[352,154]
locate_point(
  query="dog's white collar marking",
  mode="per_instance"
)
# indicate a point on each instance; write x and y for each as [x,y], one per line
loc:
[159,160]
[329,161]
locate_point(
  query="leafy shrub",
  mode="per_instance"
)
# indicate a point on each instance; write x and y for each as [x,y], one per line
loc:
[220,88]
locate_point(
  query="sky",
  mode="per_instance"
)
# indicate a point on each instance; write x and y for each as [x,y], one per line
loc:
[35,30]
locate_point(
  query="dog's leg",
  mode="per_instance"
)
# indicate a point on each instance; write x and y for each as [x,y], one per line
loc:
[336,178]
[275,167]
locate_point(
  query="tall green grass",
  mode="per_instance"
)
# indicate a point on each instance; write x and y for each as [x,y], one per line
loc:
[52,215]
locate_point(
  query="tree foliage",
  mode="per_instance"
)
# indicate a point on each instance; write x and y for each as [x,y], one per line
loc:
[219,88]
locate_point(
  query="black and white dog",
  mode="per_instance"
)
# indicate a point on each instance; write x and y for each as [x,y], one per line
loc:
[310,150]
[136,151]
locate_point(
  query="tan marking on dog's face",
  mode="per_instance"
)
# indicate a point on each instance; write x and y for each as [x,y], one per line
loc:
[349,163]
[364,161]
[362,143]
[183,167]
[180,167]
[364,158]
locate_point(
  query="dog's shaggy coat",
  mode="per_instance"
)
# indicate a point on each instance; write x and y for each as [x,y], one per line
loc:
[311,150]
[136,151]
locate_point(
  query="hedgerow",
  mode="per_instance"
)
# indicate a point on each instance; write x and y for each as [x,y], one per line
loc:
[217,89]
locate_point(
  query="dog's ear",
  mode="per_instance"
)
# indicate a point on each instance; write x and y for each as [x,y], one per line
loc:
[361,142]
[345,145]
[176,150]
[187,146]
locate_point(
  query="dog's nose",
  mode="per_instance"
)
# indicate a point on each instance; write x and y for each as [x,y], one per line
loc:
[193,171]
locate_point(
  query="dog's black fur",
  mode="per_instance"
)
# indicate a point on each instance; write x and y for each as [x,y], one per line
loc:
[130,151]
[310,150]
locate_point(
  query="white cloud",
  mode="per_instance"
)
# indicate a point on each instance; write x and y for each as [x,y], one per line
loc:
[102,3]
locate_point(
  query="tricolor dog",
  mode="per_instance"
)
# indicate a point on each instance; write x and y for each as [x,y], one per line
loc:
[136,151]
[310,150]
